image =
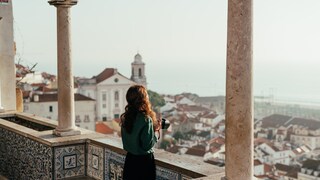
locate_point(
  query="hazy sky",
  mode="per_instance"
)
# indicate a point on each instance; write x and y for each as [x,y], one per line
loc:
[182,42]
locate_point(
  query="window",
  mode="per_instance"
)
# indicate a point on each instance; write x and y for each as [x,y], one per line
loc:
[104,106]
[104,97]
[104,117]
[116,116]
[140,72]
[116,105]
[86,118]
[78,120]
[50,108]
[116,95]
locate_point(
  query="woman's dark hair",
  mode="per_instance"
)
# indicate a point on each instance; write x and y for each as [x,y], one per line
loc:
[138,101]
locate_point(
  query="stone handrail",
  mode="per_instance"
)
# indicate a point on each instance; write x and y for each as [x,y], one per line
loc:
[93,154]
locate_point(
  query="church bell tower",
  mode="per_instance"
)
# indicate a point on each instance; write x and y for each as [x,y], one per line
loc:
[138,70]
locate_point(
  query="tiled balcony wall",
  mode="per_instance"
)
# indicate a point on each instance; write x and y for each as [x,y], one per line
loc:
[26,153]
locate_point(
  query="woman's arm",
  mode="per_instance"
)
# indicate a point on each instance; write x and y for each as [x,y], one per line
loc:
[147,136]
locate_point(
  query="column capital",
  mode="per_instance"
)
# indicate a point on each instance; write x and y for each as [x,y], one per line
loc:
[63,2]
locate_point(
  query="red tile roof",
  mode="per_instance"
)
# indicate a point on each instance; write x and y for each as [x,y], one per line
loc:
[301,150]
[19,66]
[258,141]
[219,140]
[182,118]
[274,147]
[48,76]
[103,128]
[274,121]
[38,84]
[269,177]
[215,147]
[45,89]
[267,168]
[196,152]
[174,149]
[311,164]
[54,98]
[291,171]
[216,144]
[308,123]
[200,147]
[281,132]
[211,116]
[257,162]
[191,108]
[215,161]
[105,74]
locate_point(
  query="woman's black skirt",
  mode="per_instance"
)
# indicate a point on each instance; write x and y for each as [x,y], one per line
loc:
[139,167]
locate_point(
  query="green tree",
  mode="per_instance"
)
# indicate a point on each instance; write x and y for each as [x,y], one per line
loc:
[156,100]
[178,135]
[165,144]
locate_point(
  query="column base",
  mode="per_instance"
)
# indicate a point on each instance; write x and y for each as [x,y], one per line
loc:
[1,110]
[72,132]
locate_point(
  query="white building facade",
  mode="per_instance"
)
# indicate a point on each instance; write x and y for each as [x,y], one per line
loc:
[306,136]
[46,105]
[271,155]
[111,97]
[109,89]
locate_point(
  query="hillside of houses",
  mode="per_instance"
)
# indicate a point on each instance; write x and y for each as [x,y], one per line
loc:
[286,145]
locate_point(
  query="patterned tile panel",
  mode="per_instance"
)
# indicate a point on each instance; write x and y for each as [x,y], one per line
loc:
[95,161]
[166,174]
[23,158]
[69,161]
[114,164]
[184,177]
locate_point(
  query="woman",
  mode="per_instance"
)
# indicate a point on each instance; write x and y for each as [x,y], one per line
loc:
[138,126]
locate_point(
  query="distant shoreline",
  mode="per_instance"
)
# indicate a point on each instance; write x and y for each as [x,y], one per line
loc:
[287,100]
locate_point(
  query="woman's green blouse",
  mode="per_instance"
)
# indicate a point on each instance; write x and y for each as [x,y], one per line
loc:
[142,138]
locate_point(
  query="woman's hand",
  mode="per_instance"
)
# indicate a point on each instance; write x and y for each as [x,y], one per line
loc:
[158,126]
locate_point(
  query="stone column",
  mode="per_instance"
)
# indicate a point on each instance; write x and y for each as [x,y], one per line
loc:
[7,52]
[1,108]
[239,105]
[66,113]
